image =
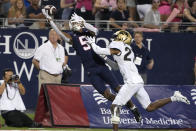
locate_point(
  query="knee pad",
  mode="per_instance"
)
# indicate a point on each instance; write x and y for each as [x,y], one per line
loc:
[115,115]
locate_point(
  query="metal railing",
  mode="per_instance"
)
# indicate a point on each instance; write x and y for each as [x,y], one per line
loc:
[101,24]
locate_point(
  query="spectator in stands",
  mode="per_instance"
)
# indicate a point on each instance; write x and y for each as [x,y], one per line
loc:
[121,14]
[84,9]
[152,19]
[68,8]
[5,5]
[50,60]
[143,59]
[165,9]
[17,13]
[190,16]
[12,3]
[132,9]
[34,12]
[143,7]
[11,103]
[195,71]
[179,5]
[27,3]
[103,9]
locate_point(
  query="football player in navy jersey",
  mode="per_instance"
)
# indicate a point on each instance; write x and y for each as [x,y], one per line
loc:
[98,72]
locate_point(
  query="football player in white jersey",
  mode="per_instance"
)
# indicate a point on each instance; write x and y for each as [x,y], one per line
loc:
[133,83]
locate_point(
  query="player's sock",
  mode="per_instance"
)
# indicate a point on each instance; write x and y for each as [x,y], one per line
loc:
[132,108]
[136,114]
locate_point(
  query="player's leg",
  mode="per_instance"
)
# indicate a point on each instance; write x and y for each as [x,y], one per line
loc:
[110,79]
[161,102]
[115,110]
[99,85]
[143,97]
[123,96]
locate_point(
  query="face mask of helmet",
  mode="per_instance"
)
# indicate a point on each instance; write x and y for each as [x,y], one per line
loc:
[75,24]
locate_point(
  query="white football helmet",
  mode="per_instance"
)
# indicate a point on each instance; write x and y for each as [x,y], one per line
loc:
[76,23]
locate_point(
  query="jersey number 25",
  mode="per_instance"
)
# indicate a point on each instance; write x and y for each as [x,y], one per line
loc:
[84,44]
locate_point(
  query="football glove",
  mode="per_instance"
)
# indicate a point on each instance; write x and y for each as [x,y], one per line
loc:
[77,17]
[46,15]
[90,40]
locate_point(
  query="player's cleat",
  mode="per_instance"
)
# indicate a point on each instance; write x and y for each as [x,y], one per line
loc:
[179,97]
[137,115]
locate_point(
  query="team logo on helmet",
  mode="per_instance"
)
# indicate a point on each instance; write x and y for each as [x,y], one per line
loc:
[123,36]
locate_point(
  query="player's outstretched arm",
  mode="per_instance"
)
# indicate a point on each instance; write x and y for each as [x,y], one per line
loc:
[103,51]
[53,25]
[98,50]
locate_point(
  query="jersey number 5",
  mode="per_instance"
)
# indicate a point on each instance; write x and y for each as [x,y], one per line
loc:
[128,52]
[84,44]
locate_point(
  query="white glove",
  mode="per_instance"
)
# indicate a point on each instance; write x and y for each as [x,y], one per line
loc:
[90,40]
[77,17]
[46,14]
[82,19]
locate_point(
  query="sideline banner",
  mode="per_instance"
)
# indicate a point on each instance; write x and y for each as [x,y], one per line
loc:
[84,107]
[173,115]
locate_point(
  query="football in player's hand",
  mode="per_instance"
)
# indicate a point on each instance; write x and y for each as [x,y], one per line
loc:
[50,9]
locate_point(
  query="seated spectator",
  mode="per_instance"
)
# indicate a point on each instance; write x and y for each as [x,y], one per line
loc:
[179,5]
[121,14]
[132,9]
[5,5]
[11,103]
[152,19]
[67,7]
[103,9]
[143,7]
[165,9]
[27,3]
[84,9]
[17,13]
[190,16]
[34,12]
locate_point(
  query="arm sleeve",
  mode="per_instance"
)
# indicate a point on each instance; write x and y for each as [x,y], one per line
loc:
[99,50]
[112,64]
[91,28]
[58,31]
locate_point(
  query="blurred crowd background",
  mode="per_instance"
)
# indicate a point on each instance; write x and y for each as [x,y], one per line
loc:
[137,15]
